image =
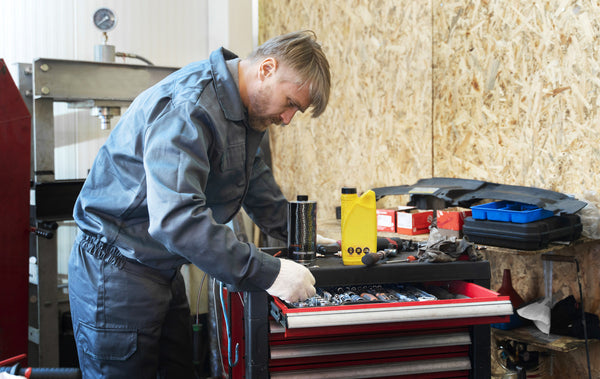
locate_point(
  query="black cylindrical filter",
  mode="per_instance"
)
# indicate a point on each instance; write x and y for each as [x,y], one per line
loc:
[302,230]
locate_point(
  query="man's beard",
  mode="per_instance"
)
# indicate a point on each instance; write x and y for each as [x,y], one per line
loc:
[259,102]
[261,124]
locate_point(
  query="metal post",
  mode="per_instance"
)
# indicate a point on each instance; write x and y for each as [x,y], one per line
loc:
[256,325]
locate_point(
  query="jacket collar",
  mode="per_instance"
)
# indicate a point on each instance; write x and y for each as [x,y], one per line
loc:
[225,87]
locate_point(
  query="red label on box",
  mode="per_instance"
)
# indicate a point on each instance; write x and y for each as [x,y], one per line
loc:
[416,222]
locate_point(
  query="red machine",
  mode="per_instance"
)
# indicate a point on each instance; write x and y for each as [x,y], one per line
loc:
[15,147]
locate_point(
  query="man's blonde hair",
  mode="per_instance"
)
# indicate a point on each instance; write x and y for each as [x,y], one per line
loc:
[301,52]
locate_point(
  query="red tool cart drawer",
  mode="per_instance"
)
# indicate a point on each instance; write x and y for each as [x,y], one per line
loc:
[477,305]
[362,353]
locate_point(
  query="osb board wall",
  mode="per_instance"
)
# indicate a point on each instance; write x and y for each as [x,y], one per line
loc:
[515,100]
[514,97]
[376,130]
[504,91]
[516,91]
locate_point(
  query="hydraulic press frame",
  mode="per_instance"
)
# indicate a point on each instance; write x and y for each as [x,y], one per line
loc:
[82,84]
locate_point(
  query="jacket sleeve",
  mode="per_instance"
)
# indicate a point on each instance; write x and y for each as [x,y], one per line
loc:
[265,204]
[177,166]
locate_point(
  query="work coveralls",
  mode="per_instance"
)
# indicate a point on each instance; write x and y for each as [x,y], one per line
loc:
[177,167]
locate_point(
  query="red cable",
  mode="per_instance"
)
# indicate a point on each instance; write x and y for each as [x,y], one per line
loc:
[13,360]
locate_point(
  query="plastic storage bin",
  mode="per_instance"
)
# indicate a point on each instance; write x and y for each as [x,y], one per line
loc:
[509,211]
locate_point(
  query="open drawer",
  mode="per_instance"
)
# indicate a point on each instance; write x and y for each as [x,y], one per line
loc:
[474,305]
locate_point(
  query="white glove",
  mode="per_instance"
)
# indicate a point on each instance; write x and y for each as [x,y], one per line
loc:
[5,375]
[324,240]
[293,283]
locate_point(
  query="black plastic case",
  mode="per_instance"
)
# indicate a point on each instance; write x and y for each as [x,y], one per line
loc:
[528,236]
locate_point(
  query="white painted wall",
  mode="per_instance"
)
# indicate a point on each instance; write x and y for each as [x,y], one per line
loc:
[168,33]
[237,33]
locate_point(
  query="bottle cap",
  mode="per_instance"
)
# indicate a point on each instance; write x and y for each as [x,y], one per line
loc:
[348,190]
[302,198]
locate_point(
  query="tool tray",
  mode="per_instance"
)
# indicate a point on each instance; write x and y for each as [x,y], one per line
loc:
[526,236]
[478,305]
[509,211]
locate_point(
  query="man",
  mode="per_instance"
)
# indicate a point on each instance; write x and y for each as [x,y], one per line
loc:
[178,166]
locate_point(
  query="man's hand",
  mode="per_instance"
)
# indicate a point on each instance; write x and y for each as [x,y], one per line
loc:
[293,283]
[324,240]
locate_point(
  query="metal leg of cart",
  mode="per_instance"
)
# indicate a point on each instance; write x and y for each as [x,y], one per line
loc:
[256,326]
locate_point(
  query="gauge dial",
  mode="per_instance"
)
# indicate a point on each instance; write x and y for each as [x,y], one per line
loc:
[105,19]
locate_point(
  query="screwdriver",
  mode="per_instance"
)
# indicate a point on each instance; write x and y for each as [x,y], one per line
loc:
[372,258]
[410,258]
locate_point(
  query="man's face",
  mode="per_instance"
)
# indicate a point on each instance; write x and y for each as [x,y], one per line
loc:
[277,96]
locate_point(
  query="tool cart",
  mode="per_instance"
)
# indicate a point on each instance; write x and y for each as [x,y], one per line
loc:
[266,337]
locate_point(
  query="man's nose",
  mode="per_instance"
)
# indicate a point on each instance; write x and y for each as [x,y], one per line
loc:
[286,117]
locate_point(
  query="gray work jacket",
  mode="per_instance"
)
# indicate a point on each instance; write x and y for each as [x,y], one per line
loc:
[178,166]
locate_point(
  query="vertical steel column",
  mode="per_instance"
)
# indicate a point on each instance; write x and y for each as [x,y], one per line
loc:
[480,353]
[43,140]
[44,252]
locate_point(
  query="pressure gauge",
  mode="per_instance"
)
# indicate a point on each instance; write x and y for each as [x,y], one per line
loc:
[105,19]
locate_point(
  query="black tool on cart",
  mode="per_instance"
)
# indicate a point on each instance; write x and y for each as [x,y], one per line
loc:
[398,244]
[372,258]
[388,247]
[328,249]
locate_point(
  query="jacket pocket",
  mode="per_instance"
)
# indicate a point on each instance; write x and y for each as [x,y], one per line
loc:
[234,158]
[115,344]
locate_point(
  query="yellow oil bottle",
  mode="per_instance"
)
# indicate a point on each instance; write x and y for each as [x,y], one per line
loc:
[359,225]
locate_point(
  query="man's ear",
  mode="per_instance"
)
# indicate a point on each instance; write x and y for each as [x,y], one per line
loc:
[267,67]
